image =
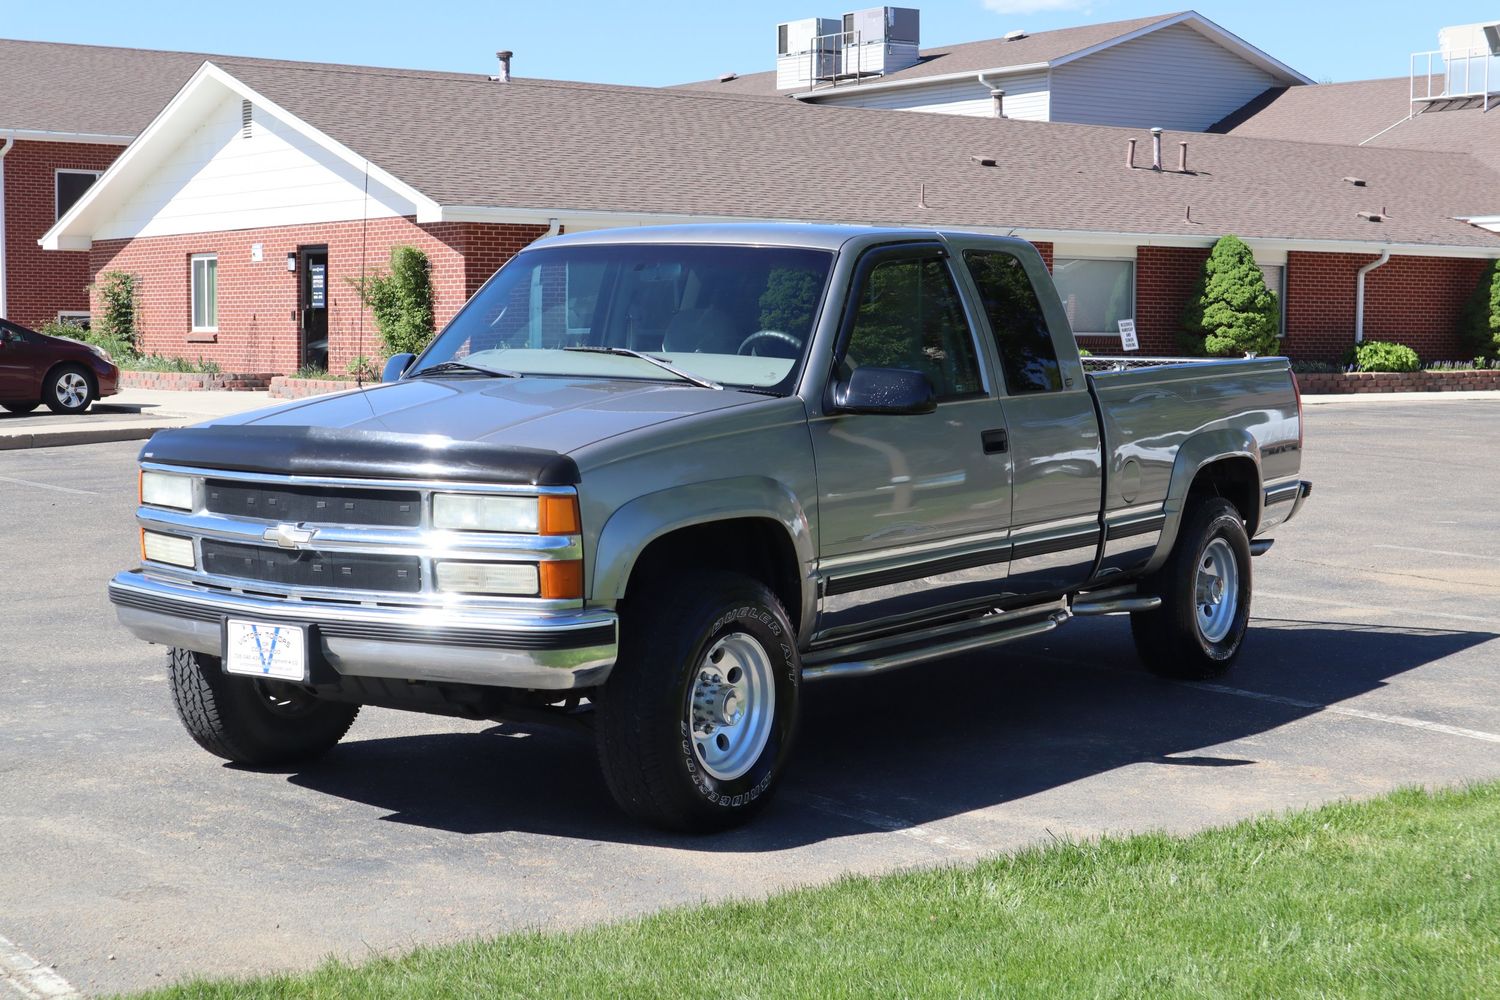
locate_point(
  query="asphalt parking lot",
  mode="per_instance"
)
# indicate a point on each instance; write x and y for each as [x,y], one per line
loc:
[132,858]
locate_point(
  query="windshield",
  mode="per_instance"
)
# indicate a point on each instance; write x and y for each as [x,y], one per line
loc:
[739,316]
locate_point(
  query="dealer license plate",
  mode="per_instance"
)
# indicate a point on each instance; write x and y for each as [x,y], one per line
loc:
[263,650]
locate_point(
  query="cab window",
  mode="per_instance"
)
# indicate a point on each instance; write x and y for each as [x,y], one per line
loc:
[908,315]
[1022,338]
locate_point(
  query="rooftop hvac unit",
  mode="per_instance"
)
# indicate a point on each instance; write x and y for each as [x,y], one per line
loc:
[875,25]
[1463,39]
[793,37]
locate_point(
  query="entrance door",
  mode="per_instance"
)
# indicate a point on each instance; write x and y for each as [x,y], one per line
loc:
[313,305]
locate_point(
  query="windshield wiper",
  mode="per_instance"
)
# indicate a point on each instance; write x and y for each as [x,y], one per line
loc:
[456,366]
[626,352]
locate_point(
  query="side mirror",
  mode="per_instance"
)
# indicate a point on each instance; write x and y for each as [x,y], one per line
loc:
[396,366]
[885,390]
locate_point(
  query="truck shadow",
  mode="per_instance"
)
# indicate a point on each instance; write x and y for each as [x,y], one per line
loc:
[907,748]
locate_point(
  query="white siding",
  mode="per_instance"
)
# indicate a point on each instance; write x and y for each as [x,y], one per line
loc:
[1025,97]
[217,180]
[1175,78]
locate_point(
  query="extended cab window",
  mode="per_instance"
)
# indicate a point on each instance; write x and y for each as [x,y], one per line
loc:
[908,315]
[1021,335]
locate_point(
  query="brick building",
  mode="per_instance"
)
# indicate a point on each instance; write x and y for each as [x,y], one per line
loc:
[263,190]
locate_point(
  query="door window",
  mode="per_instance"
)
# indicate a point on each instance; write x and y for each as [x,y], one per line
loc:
[908,315]
[1027,354]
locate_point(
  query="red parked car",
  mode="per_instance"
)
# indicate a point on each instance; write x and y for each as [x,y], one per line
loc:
[67,375]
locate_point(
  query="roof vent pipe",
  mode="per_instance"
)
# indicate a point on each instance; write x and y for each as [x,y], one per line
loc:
[1182,158]
[1359,293]
[1130,156]
[504,58]
[999,96]
[1156,149]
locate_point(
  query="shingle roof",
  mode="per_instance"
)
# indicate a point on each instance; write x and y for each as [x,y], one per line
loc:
[1369,113]
[530,144]
[101,90]
[994,53]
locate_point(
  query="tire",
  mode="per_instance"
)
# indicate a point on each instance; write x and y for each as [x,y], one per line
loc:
[68,389]
[249,721]
[21,408]
[1189,639]
[685,742]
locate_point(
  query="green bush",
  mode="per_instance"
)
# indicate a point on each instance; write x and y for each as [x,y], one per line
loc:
[116,318]
[1231,311]
[364,369]
[401,301]
[1479,325]
[1383,356]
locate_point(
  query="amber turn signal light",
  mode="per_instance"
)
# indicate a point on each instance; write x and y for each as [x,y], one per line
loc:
[559,516]
[562,579]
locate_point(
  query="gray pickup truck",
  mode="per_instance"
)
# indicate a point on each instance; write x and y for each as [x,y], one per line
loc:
[653,481]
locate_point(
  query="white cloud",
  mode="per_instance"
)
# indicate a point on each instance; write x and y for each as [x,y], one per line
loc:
[1032,6]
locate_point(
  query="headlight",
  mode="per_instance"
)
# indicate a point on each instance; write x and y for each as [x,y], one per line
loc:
[162,489]
[172,549]
[101,352]
[512,579]
[546,515]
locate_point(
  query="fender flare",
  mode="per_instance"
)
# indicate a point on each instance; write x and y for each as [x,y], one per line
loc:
[1196,453]
[635,525]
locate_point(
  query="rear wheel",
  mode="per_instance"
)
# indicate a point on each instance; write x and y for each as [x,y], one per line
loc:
[1205,597]
[20,407]
[251,721]
[68,389]
[697,719]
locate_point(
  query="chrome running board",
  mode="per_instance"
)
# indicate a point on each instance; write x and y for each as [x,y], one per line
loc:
[1114,601]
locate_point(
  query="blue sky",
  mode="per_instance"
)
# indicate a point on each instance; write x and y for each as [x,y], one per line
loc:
[674,41]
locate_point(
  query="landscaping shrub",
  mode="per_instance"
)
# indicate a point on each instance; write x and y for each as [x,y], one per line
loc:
[1382,356]
[116,317]
[1479,325]
[1231,311]
[365,369]
[401,301]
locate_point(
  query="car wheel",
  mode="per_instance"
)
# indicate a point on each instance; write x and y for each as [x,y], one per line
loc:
[20,407]
[1205,597]
[68,390]
[698,716]
[251,721]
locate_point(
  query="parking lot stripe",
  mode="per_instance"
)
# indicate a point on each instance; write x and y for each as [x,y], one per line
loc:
[47,486]
[1358,713]
[29,977]
[1380,610]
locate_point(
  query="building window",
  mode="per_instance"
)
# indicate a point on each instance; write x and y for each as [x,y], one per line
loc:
[205,292]
[1275,275]
[1096,294]
[78,319]
[70,186]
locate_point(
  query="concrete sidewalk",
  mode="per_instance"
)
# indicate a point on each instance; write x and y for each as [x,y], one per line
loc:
[133,414]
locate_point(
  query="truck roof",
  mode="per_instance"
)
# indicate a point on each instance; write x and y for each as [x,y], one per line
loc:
[789,234]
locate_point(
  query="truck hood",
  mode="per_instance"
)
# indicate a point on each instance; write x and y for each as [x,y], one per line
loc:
[512,429]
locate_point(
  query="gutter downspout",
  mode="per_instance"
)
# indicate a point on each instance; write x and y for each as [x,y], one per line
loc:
[984,81]
[10,140]
[1359,293]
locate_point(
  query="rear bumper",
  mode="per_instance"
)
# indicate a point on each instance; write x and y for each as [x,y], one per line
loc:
[552,650]
[1283,502]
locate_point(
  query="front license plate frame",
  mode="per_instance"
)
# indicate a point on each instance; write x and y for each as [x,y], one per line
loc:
[268,650]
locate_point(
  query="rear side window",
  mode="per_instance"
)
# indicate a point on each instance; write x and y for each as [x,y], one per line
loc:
[1015,313]
[908,315]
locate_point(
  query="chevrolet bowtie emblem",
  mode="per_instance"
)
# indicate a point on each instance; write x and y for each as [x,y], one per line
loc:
[289,536]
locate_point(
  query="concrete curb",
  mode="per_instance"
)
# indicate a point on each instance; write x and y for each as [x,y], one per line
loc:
[61,437]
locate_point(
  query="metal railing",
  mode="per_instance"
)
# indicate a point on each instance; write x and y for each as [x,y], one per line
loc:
[1459,77]
[836,57]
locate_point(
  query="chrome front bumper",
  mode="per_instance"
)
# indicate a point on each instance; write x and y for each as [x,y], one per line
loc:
[544,650]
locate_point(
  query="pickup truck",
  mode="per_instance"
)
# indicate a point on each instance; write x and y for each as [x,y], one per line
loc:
[653,481]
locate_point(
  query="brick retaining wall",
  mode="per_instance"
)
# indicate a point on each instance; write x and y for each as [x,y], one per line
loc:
[1344,382]
[288,387]
[190,381]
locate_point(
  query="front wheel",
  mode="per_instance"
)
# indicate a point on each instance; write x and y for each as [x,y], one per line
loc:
[251,721]
[68,390]
[698,716]
[1205,597]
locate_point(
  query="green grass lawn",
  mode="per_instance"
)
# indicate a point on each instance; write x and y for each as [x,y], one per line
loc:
[1399,897]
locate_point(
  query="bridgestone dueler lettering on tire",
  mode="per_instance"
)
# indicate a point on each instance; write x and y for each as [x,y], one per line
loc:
[1205,597]
[250,721]
[699,713]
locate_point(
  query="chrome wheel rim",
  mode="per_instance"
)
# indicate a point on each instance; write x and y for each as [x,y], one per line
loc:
[731,706]
[72,390]
[1216,593]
